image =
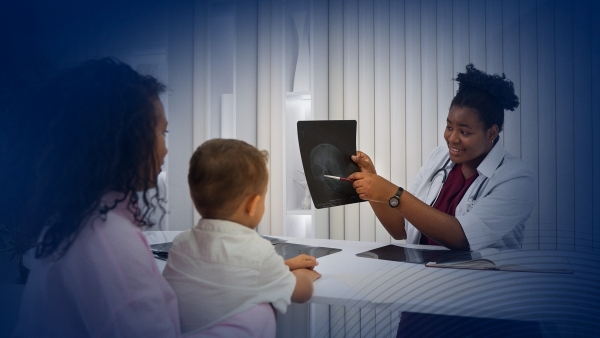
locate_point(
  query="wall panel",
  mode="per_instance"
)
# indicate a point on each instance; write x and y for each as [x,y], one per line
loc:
[351,212]
[412,26]
[429,101]
[493,36]
[398,94]
[445,72]
[366,103]
[510,58]
[277,157]
[263,101]
[529,107]
[336,94]
[565,198]
[383,146]
[582,126]
[477,34]
[319,41]
[595,33]
[547,125]
[460,37]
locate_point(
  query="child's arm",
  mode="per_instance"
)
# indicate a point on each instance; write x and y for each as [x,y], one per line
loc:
[301,262]
[304,284]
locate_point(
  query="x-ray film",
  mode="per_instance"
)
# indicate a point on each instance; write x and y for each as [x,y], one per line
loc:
[325,148]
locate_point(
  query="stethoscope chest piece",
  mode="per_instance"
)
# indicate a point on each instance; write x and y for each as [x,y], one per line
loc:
[470,203]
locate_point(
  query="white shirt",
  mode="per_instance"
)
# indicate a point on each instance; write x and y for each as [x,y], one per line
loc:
[106,285]
[496,217]
[221,268]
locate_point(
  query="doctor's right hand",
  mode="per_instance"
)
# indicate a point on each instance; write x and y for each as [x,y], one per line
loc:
[364,162]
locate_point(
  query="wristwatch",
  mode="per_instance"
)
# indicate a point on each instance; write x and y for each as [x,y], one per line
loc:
[395,200]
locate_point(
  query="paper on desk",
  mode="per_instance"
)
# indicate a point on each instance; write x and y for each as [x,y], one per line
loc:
[513,260]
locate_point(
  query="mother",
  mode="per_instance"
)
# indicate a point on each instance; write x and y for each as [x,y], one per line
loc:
[94,274]
[471,193]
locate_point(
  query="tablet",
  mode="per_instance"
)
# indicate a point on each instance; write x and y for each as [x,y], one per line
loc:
[419,256]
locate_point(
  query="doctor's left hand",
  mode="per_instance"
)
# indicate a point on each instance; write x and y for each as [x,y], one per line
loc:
[372,187]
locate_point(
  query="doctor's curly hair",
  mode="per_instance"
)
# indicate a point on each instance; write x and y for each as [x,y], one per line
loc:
[90,130]
[489,95]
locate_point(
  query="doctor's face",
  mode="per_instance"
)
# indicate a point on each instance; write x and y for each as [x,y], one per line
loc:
[468,140]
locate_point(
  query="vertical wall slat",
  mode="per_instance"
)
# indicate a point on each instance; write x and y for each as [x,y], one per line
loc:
[277,157]
[493,36]
[351,112]
[200,80]
[336,94]
[366,104]
[547,125]
[245,72]
[180,62]
[352,324]
[582,107]
[263,102]
[398,94]
[565,170]
[383,325]
[383,148]
[460,37]
[351,212]
[367,323]
[412,21]
[477,33]
[429,101]
[337,320]
[445,88]
[510,49]
[319,41]
[596,121]
[529,108]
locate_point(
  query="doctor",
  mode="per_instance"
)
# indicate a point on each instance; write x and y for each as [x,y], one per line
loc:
[471,193]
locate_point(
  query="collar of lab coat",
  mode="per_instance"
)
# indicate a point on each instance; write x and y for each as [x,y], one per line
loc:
[490,163]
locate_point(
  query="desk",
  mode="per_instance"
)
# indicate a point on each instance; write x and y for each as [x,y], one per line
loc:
[570,301]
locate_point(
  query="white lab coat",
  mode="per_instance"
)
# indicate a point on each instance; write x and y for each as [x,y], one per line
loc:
[497,216]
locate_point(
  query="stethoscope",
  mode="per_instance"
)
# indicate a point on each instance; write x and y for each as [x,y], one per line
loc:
[471,201]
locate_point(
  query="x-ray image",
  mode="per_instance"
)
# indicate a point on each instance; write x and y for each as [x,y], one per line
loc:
[325,148]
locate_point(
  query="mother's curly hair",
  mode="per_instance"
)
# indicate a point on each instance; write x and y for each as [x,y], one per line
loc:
[489,95]
[96,125]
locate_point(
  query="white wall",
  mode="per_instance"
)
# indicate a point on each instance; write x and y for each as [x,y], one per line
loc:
[387,64]
[390,66]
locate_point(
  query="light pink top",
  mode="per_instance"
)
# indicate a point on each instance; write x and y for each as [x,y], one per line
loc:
[107,285]
[256,322]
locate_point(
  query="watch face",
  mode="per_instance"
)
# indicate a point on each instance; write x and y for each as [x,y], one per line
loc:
[394,201]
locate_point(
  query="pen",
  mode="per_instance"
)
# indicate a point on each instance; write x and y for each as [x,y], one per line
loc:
[339,178]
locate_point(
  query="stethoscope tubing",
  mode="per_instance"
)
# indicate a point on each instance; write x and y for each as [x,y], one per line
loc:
[443,170]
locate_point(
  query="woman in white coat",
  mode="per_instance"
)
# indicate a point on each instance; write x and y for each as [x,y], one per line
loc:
[471,193]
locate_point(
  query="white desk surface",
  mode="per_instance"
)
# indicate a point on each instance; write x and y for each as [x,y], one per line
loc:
[351,281]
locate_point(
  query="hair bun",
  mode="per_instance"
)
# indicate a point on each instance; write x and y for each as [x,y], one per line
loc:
[495,85]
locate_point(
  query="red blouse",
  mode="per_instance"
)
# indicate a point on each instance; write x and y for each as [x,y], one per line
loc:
[452,193]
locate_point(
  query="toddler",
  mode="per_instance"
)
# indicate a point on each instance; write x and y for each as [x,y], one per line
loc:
[227,278]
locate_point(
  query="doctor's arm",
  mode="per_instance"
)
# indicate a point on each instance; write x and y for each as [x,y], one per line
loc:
[390,218]
[440,227]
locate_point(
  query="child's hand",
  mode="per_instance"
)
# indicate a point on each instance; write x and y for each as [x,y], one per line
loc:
[301,262]
[304,284]
[310,274]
